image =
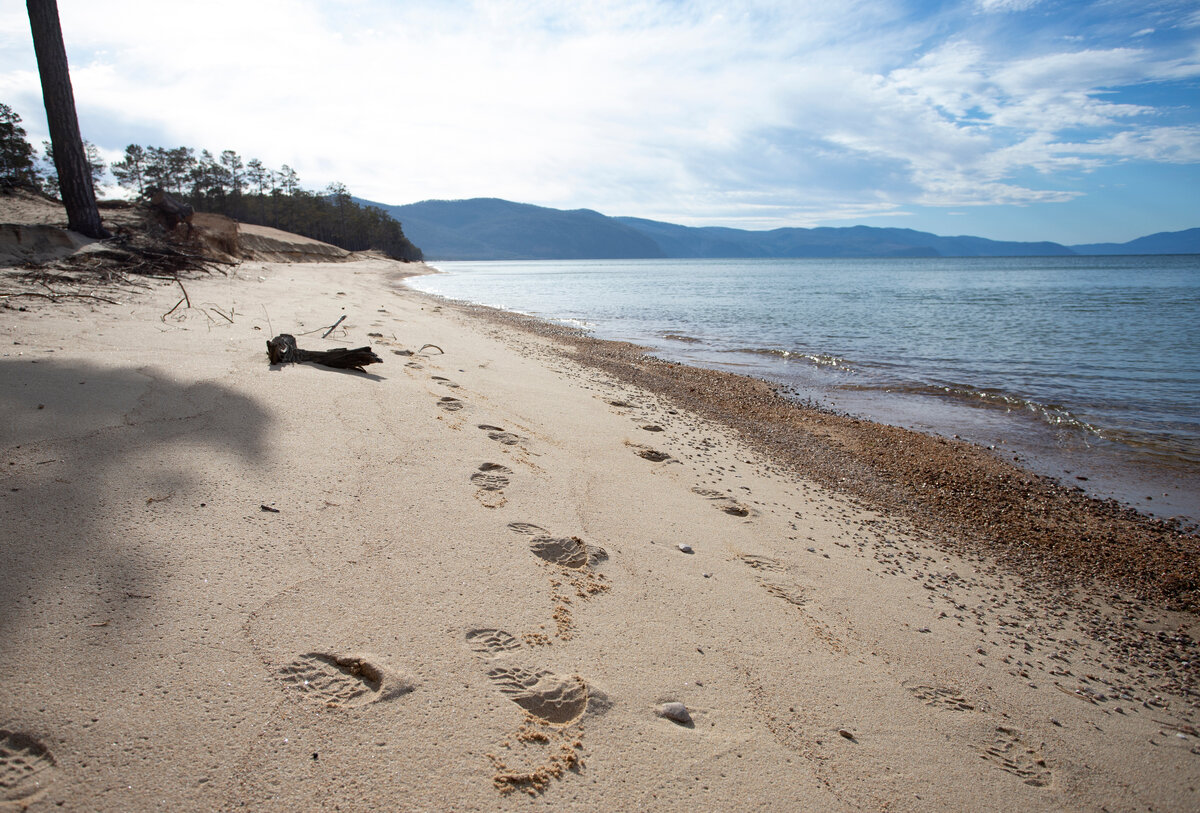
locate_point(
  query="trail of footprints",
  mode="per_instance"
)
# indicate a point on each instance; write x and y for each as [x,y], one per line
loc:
[1007,750]
[545,747]
[553,703]
[546,744]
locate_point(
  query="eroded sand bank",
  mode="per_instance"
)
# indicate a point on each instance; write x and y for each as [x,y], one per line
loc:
[458,578]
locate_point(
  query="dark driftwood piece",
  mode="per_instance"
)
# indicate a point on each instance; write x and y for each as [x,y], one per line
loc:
[173,211]
[283,350]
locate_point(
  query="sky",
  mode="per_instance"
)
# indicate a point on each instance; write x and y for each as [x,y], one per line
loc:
[1054,120]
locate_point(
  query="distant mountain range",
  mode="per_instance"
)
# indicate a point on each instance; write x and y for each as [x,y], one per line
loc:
[494,229]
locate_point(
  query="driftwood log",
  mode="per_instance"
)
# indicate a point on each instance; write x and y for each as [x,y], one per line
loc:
[172,211]
[283,350]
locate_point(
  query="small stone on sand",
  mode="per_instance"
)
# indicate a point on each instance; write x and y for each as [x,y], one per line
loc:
[676,712]
[685,548]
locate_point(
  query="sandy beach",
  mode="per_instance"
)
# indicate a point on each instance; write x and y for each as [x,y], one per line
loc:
[479,575]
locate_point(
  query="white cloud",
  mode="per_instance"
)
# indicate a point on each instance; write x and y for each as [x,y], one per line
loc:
[753,112]
[993,6]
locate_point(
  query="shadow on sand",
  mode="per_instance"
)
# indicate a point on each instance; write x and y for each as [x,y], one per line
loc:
[89,454]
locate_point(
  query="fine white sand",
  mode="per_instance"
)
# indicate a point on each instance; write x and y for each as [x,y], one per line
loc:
[469,591]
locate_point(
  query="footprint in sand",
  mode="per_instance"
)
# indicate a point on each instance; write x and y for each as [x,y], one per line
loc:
[941,697]
[567,551]
[763,563]
[1011,755]
[492,643]
[791,593]
[575,579]
[773,578]
[646,453]
[343,680]
[652,427]
[725,503]
[445,382]
[498,434]
[491,476]
[552,698]
[26,768]
[556,699]
[450,404]
[491,479]
[527,528]
[545,746]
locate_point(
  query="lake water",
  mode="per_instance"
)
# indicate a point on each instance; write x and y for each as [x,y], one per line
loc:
[1081,367]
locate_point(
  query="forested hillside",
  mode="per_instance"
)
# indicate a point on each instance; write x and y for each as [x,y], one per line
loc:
[248,191]
[251,192]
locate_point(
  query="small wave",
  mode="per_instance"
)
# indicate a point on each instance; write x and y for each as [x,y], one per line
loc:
[582,324]
[1051,414]
[819,359]
[679,337]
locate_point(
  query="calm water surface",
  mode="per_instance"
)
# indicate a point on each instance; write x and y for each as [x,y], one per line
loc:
[1078,366]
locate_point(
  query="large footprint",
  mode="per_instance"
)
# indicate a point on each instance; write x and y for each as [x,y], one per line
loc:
[26,767]
[490,480]
[343,680]
[570,551]
[567,551]
[498,434]
[773,577]
[725,503]
[553,698]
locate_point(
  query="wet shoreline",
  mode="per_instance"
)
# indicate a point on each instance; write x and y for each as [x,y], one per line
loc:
[1154,481]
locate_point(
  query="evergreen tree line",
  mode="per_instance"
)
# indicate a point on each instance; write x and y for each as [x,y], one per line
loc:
[247,191]
[22,165]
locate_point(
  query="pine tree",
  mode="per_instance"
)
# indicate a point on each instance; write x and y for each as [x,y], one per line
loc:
[130,172]
[75,177]
[289,181]
[16,153]
[95,162]
[236,169]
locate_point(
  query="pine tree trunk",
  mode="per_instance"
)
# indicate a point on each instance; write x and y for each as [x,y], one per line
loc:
[74,174]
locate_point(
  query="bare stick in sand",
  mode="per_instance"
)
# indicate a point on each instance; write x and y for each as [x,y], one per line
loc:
[186,298]
[341,319]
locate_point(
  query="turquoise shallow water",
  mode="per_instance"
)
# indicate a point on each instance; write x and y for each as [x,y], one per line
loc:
[1078,366]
